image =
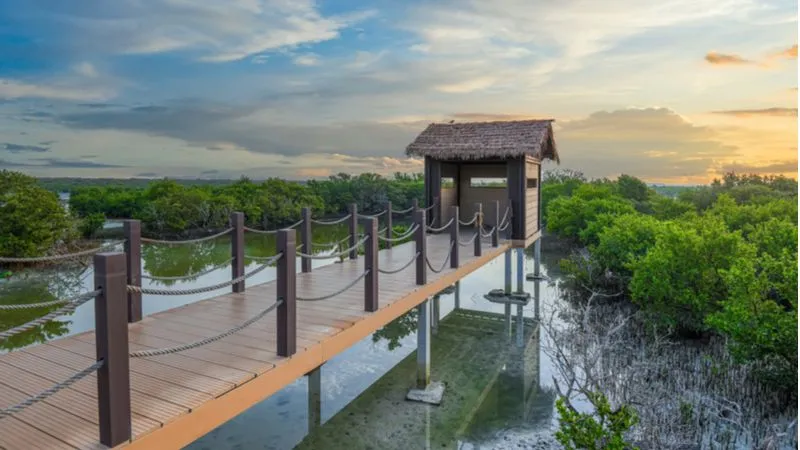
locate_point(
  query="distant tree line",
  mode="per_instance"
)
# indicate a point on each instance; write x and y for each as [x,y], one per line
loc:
[717,259]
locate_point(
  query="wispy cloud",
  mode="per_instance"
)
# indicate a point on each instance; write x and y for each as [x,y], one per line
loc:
[22,148]
[772,112]
[726,59]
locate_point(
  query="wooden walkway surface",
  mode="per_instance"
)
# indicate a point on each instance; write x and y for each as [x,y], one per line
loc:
[178,398]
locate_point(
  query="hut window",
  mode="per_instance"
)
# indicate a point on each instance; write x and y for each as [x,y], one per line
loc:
[487,182]
[448,182]
[533,183]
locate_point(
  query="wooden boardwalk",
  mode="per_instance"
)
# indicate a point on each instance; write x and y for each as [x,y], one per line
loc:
[177,398]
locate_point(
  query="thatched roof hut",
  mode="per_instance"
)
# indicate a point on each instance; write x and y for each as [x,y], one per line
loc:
[482,140]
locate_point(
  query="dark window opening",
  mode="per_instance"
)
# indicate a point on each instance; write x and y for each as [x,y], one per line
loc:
[533,183]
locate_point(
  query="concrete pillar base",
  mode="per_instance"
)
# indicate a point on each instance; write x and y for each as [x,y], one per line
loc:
[431,395]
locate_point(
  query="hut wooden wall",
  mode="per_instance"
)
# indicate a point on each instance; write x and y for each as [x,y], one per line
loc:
[533,185]
[470,195]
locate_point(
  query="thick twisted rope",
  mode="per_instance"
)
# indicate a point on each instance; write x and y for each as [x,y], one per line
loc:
[403,211]
[400,269]
[374,216]
[406,235]
[46,304]
[469,241]
[446,260]
[334,255]
[331,244]
[504,226]
[488,233]
[257,231]
[331,222]
[7,412]
[190,276]
[208,340]
[474,218]
[187,241]
[505,216]
[59,257]
[66,309]
[443,227]
[211,288]
[325,297]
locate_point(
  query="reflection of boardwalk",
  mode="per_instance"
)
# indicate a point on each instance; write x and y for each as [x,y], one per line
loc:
[490,379]
[177,398]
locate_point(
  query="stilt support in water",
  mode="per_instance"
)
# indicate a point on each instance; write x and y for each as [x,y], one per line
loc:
[458,294]
[314,398]
[425,390]
[508,271]
[520,270]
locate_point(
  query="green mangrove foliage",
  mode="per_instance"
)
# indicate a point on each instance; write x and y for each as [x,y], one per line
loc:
[713,259]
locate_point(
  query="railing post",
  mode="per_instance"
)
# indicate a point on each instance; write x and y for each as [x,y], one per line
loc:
[478,228]
[237,250]
[286,290]
[133,260]
[414,204]
[421,245]
[496,232]
[111,342]
[305,239]
[371,264]
[454,231]
[389,224]
[353,225]
[510,218]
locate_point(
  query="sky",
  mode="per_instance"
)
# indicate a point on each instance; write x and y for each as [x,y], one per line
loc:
[671,91]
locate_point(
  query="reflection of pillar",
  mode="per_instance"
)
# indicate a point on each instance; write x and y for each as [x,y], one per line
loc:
[314,399]
[536,297]
[427,419]
[508,271]
[458,294]
[520,327]
[423,344]
[520,269]
[537,257]
[435,315]
[507,316]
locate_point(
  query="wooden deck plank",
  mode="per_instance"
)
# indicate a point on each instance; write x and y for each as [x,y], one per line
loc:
[178,397]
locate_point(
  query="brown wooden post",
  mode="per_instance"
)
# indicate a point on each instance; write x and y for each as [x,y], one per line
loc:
[111,336]
[421,246]
[353,222]
[133,260]
[305,239]
[510,220]
[237,250]
[389,224]
[454,230]
[371,264]
[286,289]
[496,232]
[478,226]
[414,204]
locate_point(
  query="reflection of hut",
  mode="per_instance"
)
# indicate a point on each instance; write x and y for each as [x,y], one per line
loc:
[484,162]
[489,378]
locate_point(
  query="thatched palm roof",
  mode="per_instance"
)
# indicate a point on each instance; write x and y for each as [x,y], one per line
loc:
[481,140]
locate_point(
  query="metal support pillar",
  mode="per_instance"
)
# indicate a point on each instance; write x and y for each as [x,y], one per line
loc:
[423,344]
[435,314]
[508,271]
[458,294]
[537,257]
[520,327]
[536,297]
[520,270]
[314,398]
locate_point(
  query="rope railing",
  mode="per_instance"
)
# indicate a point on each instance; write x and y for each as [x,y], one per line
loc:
[373,216]
[443,227]
[406,235]
[474,218]
[469,241]
[400,269]
[487,233]
[36,259]
[56,388]
[257,231]
[331,244]
[505,216]
[73,304]
[190,276]
[44,304]
[334,294]
[211,288]
[337,254]
[187,241]
[331,222]
[208,340]
[403,211]
[446,260]
[430,207]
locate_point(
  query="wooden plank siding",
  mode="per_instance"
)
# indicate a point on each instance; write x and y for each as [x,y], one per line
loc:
[178,398]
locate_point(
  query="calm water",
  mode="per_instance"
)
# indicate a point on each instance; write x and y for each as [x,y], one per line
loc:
[499,381]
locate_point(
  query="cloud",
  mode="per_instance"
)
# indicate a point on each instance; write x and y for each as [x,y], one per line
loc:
[307,59]
[87,70]
[789,53]
[147,175]
[15,89]
[654,143]
[207,30]
[726,59]
[57,163]
[21,148]
[313,172]
[771,167]
[771,112]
